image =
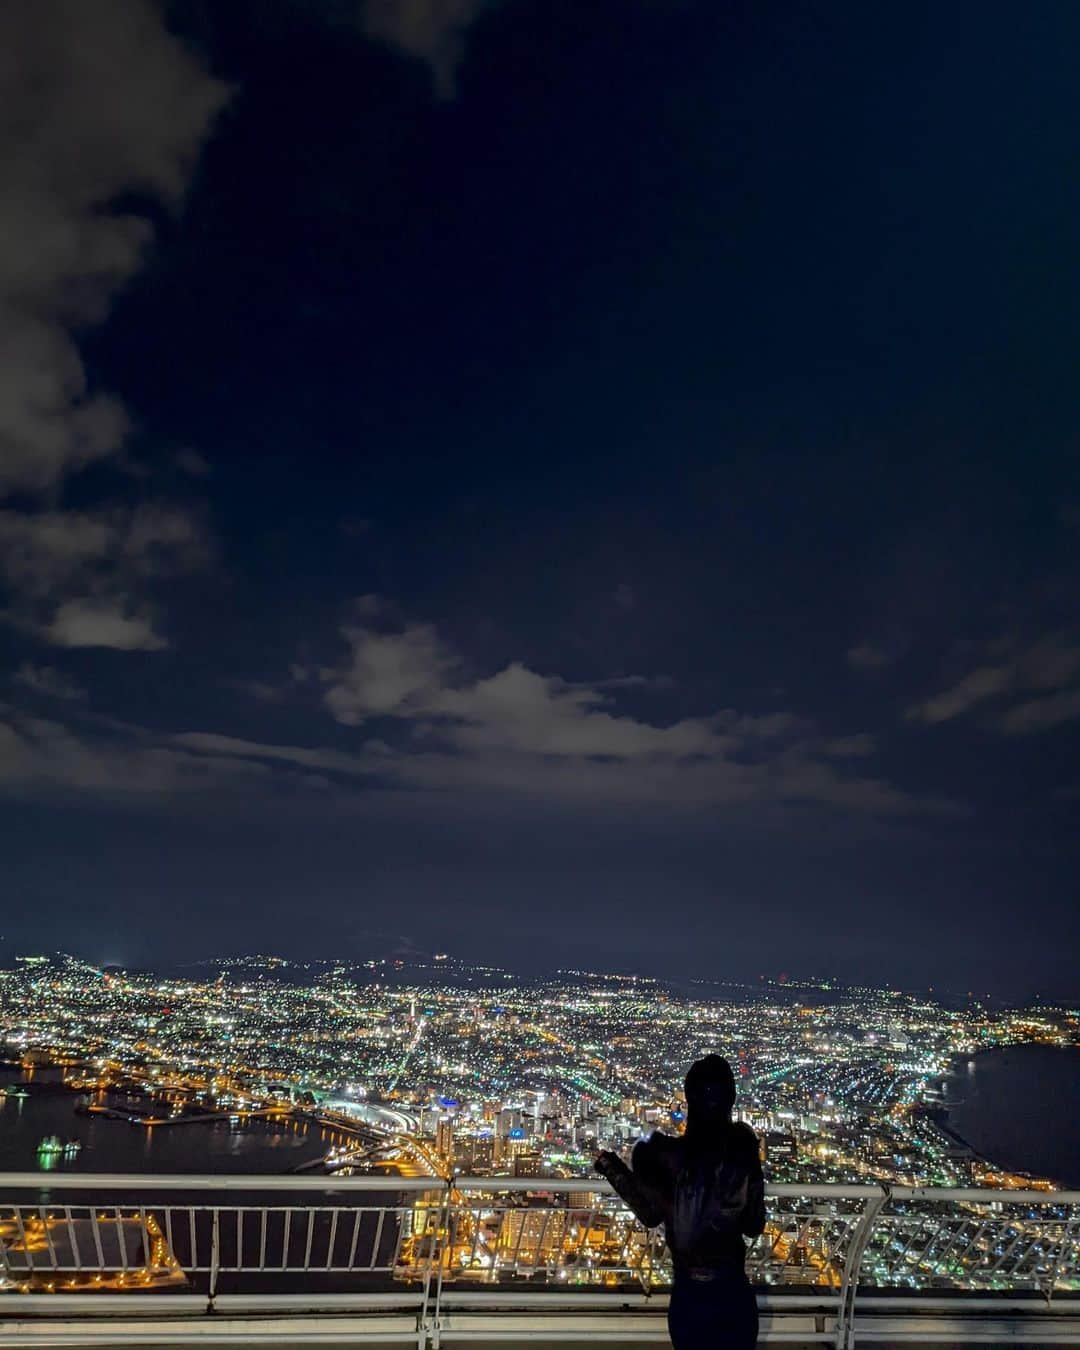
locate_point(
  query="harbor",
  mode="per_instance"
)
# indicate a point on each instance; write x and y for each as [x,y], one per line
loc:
[49,1126]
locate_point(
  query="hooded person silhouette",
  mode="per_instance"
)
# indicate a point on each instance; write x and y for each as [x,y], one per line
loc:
[706,1187]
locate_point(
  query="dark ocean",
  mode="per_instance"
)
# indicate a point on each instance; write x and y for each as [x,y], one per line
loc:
[259,1146]
[1020,1107]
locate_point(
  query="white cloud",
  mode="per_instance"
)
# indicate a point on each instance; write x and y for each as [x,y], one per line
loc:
[98,104]
[517,709]
[102,623]
[95,101]
[523,731]
[389,674]
[411,675]
[80,578]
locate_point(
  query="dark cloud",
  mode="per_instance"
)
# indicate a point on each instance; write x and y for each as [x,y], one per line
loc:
[643,682]
[418,720]
[192,463]
[1041,714]
[261,690]
[48,681]
[433,31]
[1049,663]
[625,598]
[851,747]
[45,756]
[868,656]
[982,683]
[692,487]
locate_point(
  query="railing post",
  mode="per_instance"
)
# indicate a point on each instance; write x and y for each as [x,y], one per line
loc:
[845,1328]
[422,1315]
[428,1323]
[645,1277]
[444,1227]
[215,1259]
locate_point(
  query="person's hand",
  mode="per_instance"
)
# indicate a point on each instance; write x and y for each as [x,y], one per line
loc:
[608,1162]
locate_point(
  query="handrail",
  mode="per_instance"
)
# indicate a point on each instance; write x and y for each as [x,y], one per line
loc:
[157,1181]
[209,1213]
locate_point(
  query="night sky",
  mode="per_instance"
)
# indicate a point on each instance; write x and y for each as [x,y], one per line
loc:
[568,484]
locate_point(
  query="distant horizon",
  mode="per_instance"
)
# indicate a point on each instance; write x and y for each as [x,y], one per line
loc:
[777,982]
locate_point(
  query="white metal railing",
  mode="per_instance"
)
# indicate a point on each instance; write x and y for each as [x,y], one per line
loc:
[439,1251]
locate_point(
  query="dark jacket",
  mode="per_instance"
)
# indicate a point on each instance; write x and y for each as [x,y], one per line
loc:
[707,1192]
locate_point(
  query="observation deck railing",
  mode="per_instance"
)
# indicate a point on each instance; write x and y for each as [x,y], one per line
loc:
[109,1260]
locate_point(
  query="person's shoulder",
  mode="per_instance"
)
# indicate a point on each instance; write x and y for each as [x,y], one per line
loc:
[744,1142]
[659,1143]
[659,1149]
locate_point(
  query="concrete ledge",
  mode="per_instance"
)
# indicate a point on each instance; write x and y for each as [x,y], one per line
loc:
[214,1331]
[505,1331]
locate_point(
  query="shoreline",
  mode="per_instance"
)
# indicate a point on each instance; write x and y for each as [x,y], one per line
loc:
[257,1126]
[942,1115]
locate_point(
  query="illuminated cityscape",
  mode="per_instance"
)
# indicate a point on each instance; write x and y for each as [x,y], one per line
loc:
[451,1115]
[449,1068]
